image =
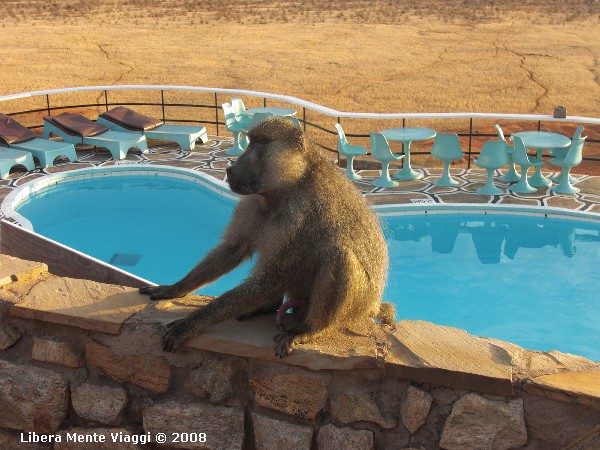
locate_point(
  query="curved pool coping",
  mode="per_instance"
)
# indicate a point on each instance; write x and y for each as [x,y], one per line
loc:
[13,200]
[10,204]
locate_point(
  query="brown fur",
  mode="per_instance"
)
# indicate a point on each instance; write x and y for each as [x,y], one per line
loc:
[316,239]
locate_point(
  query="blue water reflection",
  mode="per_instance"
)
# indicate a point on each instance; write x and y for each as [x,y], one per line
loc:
[529,280]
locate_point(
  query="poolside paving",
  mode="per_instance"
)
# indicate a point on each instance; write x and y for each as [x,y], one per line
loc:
[210,158]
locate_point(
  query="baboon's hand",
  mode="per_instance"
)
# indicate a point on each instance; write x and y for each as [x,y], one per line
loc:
[284,344]
[177,332]
[161,292]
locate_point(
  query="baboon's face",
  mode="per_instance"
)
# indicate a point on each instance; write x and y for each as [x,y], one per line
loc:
[273,160]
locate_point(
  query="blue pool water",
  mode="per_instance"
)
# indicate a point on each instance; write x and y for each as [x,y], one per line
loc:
[528,280]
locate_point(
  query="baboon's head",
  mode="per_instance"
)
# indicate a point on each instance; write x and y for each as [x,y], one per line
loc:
[275,159]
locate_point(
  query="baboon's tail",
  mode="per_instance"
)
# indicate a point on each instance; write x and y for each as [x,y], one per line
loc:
[387,313]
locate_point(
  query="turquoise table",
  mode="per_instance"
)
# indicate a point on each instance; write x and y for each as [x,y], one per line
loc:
[275,110]
[540,140]
[406,136]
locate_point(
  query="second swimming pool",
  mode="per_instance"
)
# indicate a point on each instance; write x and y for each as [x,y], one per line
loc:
[521,278]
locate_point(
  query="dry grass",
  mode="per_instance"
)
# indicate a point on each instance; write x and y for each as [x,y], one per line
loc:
[378,56]
[502,56]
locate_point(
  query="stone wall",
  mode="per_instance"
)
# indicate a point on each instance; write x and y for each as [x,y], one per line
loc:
[69,375]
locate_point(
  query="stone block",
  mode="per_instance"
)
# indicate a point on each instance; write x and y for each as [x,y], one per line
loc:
[103,404]
[150,372]
[291,394]
[13,440]
[555,424]
[271,433]
[14,269]
[476,422]
[415,408]
[8,336]
[79,303]
[331,437]
[91,439]
[577,387]
[56,352]
[223,427]
[213,380]
[467,362]
[355,402]
[31,398]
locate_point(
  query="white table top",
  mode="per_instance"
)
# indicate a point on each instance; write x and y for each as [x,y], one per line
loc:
[408,134]
[275,110]
[543,139]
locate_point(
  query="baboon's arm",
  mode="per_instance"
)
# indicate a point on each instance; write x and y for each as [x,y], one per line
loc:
[220,260]
[237,244]
[251,294]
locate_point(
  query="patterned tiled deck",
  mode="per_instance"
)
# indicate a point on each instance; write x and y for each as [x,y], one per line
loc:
[211,159]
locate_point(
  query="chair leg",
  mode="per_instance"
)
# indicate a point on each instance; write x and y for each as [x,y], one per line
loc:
[523,186]
[446,180]
[236,150]
[565,186]
[384,180]
[490,188]
[511,174]
[350,172]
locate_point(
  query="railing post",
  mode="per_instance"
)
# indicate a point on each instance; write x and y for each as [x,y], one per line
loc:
[48,103]
[162,103]
[304,117]
[217,113]
[106,99]
[470,142]
[338,152]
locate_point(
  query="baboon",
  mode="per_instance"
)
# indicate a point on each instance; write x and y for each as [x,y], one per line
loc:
[318,245]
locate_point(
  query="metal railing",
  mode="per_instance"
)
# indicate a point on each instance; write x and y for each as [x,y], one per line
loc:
[318,120]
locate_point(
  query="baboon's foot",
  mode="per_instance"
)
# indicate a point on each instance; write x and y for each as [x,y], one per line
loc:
[177,332]
[284,344]
[162,292]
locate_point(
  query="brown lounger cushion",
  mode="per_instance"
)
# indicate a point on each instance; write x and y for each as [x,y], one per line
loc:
[12,132]
[132,120]
[77,124]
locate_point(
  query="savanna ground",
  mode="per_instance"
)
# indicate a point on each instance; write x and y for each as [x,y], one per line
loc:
[504,56]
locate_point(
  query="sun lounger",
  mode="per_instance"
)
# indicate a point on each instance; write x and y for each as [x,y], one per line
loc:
[77,129]
[125,119]
[18,137]
[10,158]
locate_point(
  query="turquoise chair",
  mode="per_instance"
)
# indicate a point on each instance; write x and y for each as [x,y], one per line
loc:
[240,111]
[562,152]
[295,121]
[511,174]
[20,138]
[525,162]
[493,156]
[239,130]
[446,147]
[349,152]
[381,151]
[571,159]
[10,158]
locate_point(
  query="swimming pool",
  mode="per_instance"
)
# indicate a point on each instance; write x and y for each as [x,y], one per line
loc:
[523,278]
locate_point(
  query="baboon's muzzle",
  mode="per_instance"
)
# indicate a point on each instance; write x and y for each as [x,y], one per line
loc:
[240,181]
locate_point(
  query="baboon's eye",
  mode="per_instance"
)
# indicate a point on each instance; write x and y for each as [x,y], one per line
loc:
[261,140]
